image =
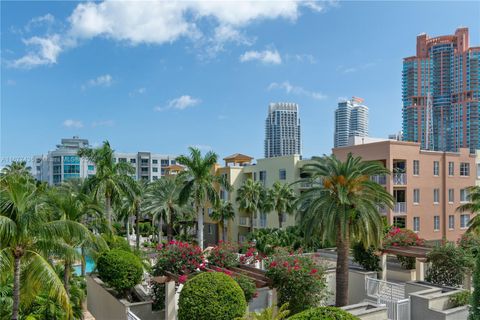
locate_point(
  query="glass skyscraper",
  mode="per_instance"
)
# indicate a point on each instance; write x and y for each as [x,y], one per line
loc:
[441,88]
[351,120]
[282,130]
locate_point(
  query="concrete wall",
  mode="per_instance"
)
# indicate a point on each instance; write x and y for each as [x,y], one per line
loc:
[401,275]
[367,311]
[262,301]
[356,285]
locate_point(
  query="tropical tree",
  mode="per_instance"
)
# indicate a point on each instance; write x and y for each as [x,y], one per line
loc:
[473,206]
[28,240]
[163,202]
[133,202]
[16,167]
[342,206]
[199,183]
[251,199]
[222,213]
[112,180]
[281,198]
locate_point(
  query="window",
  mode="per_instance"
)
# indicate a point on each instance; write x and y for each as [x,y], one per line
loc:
[263,176]
[416,196]
[436,195]
[282,174]
[451,168]
[451,195]
[173,162]
[478,170]
[144,169]
[463,195]
[57,159]
[133,160]
[71,159]
[154,169]
[451,222]
[464,219]
[155,177]
[91,167]
[436,168]
[122,159]
[464,169]
[57,169]
[436,223]
[399,222]
[254,176]
[154,161]
[144,161]
[38,168]
[416,224]
[144,178]
[416,167]
[164,163]
[71,168]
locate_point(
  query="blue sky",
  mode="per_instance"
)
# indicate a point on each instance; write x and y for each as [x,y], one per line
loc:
[160,77]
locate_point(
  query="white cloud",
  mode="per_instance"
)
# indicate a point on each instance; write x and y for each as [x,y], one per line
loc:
[352,69]
[103,123]
[180,103]
[301,57]
[69,123]
[138,91]
[266,56]
[45,52]
[47,19]
[289,88]
[104,80]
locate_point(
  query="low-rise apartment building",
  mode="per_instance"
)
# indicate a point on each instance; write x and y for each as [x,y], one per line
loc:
[427,186]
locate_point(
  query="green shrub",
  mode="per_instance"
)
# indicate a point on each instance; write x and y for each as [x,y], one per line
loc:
[248,286]
[461,298]
[448,265]
[366,257]
[211,295]
[475,299]
[324,313]
[117,242]
[120,270]
[224,255]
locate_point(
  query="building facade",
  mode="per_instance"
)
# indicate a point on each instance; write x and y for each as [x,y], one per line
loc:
[441,93]
[63,163]
[282,130]
[427,186]
[351,120]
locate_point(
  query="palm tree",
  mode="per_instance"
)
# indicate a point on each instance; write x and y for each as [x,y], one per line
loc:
[16,167]
[112,180]
[163,201]
[281,198]
[132,203]
[473,206]
[199,182]
[251,199]
[28,240]
[222,213]
[342,206]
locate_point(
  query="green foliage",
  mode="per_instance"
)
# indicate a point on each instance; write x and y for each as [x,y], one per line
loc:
[448,265]
[269,314]
[224,255]
[211,295]
[117,242]
[299,281]
[475,300]
[366,257]
[458,299]
[281,199]
[473,206]
[247,285]
[251,198]
[324,313]
[397,237]
[470,242]
[180,258]
[120,269]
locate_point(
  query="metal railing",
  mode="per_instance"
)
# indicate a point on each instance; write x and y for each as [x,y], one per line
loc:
[400,207]
[399,178]
[390,294]
[379,178]
[244,221]
[131,315]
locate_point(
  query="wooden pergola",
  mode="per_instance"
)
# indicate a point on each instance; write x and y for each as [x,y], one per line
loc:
[419,253]
[237,159]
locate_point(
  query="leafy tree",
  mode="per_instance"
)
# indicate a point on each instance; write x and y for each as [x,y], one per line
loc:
[473,206]
[475,299]
[112,179]
[222,213]
[199,183]
[133,202]
[251,199]
[448,265]
[18,168]
[366,257]
[281,198]
[342,206]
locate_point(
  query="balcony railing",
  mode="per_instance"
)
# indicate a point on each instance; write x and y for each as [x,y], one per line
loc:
[379,178]
[244,221]
[399,178]
[400,207]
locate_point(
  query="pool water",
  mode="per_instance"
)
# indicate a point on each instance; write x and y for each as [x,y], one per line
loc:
[89,266]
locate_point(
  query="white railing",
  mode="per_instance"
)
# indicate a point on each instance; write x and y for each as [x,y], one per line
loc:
[131,315]
[400,207]
[379,178]
[399,178]
[390,294]
[244,221]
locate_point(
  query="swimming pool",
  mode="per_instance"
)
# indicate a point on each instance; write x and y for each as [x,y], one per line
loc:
[89,266]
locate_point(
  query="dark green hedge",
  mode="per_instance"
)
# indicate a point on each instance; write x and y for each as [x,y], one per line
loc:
[324,313]
[211,295]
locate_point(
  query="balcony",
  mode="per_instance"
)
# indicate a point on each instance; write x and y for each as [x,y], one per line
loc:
[399,179]
[400,208]
[379,178]
[244,222]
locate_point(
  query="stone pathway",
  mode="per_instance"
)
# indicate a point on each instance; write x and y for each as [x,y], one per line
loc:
[87,316]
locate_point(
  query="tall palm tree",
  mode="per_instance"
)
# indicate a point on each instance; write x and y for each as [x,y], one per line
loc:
[251,199]
[199,183]
[134,201]
[281,198]
[28,240]
[342,206]
[111,179]
[222,213]
[163,201]
[473,206]
[16,167]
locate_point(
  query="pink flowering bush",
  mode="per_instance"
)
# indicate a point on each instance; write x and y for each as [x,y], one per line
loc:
[224,255]
[251,256]
[397,237]
[179,258]
[299,281]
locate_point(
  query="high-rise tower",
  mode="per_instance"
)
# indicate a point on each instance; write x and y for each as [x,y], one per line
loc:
[351,120]
[441,93]
[282,130]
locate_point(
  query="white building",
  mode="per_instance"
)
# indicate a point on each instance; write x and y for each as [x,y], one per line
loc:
[63,163]
[351,120]
[282,130]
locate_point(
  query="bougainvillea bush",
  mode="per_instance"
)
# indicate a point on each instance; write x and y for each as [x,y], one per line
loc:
[224,255]
[251,254]
[299,281]
[470,242]
[397,237]
[178,258]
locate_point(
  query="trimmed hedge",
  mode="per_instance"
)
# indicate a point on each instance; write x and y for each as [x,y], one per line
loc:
[120,269]
[324,313]
[211,295]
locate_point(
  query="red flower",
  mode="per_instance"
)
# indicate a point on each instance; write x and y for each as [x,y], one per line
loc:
[183,278]
[273,264]
[285,264]
[313,271]
[296,268]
